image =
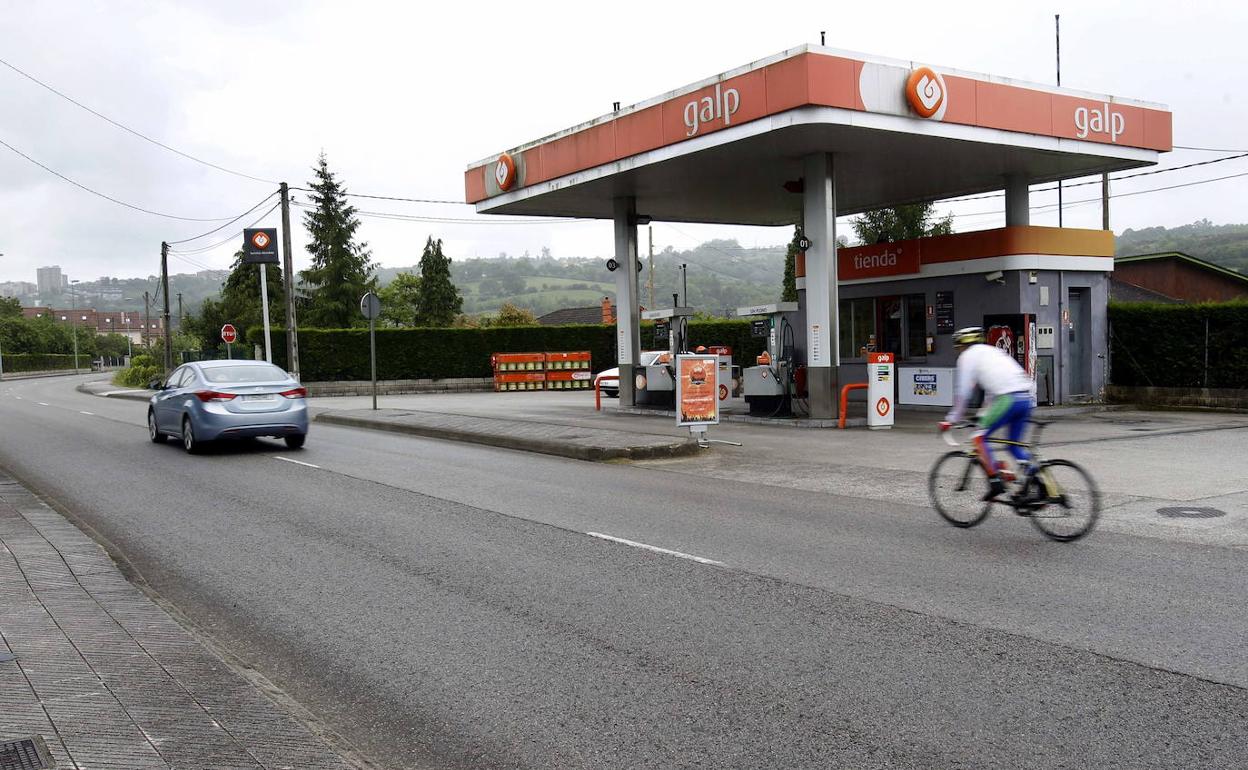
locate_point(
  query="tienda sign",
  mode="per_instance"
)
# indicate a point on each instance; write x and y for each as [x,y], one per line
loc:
[721,106]
[878,260]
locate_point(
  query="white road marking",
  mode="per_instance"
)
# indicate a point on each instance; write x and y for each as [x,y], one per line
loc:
[296,462]
[89,414]
[654,548]
[40,403]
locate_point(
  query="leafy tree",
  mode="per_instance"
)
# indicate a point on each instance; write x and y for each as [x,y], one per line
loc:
[510,315]
[900,223]
[10,307]
[789,291]
[438,301]
[341,267]
[398,300]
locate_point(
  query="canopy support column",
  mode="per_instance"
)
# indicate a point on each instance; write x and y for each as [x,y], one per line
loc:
[627,320]
[823,355]
[1017,201]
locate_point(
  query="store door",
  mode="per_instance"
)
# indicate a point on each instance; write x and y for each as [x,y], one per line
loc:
[1079,342]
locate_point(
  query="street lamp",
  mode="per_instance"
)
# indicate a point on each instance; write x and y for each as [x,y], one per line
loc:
[73,319]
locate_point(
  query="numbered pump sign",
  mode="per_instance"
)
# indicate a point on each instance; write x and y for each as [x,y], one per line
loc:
[880,379]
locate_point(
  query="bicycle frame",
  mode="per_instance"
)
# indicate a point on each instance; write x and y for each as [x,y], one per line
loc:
[1050,486]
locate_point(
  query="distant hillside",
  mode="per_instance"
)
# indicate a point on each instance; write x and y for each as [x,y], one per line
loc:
[723,275]
[1225,245]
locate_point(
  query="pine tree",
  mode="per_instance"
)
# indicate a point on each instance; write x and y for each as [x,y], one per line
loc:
[789,291]
[341,268]
[438,301]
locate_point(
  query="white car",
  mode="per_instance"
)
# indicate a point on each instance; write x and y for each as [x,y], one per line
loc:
[611,388]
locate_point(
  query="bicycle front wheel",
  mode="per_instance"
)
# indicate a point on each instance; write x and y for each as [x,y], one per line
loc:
[1071,501]
[956,484]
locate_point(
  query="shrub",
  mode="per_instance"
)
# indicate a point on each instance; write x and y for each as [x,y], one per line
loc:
[1179,346]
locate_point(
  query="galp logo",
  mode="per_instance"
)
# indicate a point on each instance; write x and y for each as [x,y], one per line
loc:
[722,106]
[926,92]
[1099,120]
[505,172]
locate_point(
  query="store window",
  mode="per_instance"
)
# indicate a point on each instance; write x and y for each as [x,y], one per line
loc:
[857,327]
[893,324]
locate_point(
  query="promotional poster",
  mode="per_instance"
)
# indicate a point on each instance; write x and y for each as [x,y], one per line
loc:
[697,386]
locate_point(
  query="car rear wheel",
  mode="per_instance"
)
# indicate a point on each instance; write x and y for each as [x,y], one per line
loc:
[191,444]
[152,431]
[295,441]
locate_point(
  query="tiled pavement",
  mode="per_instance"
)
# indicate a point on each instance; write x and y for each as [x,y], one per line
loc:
[108,678]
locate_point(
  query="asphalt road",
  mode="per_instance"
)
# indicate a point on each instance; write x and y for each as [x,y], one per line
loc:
[441,605]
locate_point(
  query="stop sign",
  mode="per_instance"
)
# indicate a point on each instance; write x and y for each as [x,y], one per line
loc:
[229,334]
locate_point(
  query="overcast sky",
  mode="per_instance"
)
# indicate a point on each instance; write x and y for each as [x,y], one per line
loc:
[403,96]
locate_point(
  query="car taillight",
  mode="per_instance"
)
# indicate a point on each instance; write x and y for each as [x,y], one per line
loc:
[295,393]
[213,395]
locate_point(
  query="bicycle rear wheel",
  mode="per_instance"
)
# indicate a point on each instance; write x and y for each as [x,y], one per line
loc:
[956,484]
[1071,501]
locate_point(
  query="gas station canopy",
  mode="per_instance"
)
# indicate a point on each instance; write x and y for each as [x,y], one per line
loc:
[730,149]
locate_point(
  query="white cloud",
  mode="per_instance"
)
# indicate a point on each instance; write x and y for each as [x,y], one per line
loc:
[402,96]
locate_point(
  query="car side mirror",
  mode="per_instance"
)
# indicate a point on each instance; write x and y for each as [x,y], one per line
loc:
[155,385]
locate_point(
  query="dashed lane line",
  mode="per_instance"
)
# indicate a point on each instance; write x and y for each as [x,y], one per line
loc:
[297,462]
[656,549]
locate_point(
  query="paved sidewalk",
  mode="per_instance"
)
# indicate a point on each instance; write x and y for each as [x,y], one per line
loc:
[108,678]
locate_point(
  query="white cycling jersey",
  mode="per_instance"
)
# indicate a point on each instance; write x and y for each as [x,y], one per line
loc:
[992,369]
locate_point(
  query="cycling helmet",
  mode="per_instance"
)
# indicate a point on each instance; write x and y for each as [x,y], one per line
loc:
[968,336]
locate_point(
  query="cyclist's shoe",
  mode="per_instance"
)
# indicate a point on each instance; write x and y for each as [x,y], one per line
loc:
[996,488]
[1026,499]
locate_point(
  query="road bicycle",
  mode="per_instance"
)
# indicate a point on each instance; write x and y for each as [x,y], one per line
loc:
[1060,498]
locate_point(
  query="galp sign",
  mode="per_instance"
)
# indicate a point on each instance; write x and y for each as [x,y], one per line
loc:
[722,106]
[1099,120]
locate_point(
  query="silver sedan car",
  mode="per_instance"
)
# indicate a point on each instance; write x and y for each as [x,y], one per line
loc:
[211,400]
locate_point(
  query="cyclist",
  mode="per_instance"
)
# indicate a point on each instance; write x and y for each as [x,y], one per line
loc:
[1011,392]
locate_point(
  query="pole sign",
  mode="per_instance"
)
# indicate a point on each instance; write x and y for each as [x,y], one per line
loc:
[880,390]
[229,335]
[697,390]
[260,246]
[370,305]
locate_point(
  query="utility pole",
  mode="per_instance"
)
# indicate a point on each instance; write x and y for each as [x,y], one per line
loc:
[144,337]
[288,281]
[73,320]
[650,282]
[1105,201]
[684,283]
[181,315]
[164,287]
[1057,23]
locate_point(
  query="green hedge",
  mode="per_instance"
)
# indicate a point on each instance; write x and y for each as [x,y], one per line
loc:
[1165,345]
[342,354]
[41,362]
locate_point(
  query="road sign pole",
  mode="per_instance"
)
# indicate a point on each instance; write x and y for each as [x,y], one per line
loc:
[228,355]
[372,354]
[264,302]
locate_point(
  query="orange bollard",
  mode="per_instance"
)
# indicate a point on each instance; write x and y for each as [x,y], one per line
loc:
[845,400]
[598,392]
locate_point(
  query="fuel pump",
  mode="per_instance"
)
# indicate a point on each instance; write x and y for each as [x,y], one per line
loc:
[656,382]
[769,384]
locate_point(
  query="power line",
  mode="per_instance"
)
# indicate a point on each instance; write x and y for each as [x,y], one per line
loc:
[1113,179]
[131,130]
[1114,195]
[227,224]
[218,244]
[453,220]
[1204,149]
[108,197]
[390,198]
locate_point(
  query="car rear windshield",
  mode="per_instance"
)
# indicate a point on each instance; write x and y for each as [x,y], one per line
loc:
[229,375]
